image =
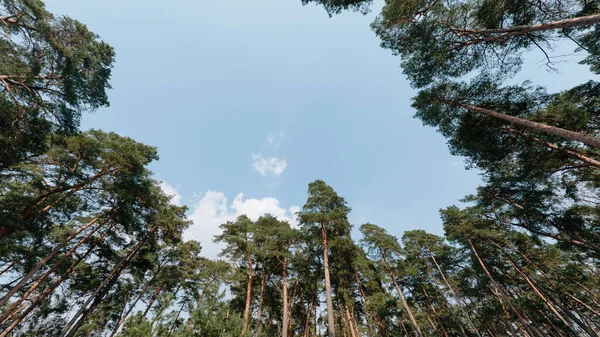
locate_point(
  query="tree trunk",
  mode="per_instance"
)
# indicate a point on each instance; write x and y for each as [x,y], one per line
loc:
[70,328]
[248,298]
[409,312]
[528,29]
[570,153]
[126,314]
[152,298]
[499,292]
[330,313]
[47,292]
[552,130]
[260,304]
[306,332]
[286,317]
[353,331]
[537,291]
[454,317]
[364,302]
[43,262]
[435,313]
[39,281]
[7,268]
[176,318]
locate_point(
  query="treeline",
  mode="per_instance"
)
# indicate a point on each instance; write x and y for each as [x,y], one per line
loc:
[91,246]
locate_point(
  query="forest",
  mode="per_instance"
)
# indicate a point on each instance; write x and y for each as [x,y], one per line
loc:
[90,245]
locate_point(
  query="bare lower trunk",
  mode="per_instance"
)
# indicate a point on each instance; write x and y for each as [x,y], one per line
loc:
[71,327]
[499,291]
[43,262]
[286,314]
[248,298]
[45,293]
[353,331]
[39,281]
[409,312]
[260,305]
[330,313]
[306,332]
[126,314]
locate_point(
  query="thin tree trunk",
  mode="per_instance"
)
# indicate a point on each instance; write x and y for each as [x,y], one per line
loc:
[409,312]
[285,318]
[306,332]
[535,289]
[330,318]
[363,301]
[353,330]
[175,320]
[43,262]
[499,292]
[47,292]
[552,130]
[70,328]
[39,281]
[248,298]
[454,318]
[435,313]
[97,300]
[260,304]
[126,314]
[570,153]
[152,298]
[9,266]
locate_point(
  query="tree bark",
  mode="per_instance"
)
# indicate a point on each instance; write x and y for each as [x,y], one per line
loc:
[248,297]
[409,312]
[70,329]
[527,29]
[498,291]
[43,262]
[286,314]
[260,304]
[39,281]
[552,130]
[42,296]
[114,332]
[151,301]
[570,153]
[455,318]
[330,313]
[306,332]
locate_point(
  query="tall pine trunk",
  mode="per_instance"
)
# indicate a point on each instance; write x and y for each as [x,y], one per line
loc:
[286,314]
[44,261]
[540,127]
[261,299]
[409,312]
[330,312]
[248,298]
[72,326]
[41,279]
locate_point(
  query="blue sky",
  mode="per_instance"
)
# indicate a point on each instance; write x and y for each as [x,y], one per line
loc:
[228,90]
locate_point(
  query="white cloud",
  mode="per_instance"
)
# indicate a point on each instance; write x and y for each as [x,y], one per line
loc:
[275,139]
[213,210]
[172,192]
[269,165]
